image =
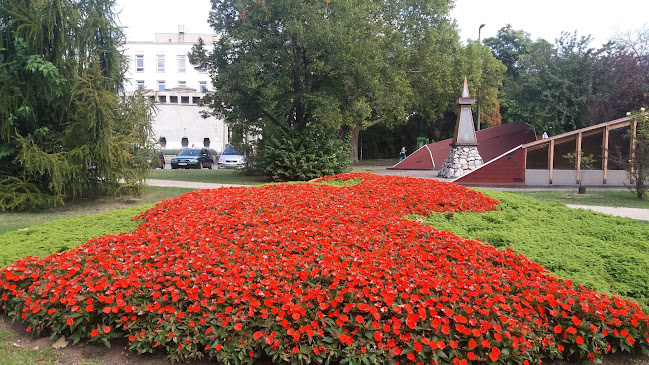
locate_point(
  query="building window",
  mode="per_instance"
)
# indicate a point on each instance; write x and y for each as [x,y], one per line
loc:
[161,63]
[173,99]
[202,86]
[195,99]
[140,84]
[182,84]
[206,142]
[184,99]
[162,99]
[139,63]
[161,85]
[182,63]
[184,142]
[163,142]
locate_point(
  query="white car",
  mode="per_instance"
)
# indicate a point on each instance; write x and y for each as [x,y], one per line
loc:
[231,159]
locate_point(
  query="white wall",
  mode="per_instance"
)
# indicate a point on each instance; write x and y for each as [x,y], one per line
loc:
[534,177]
[170,49]
[175,121]
[178,116]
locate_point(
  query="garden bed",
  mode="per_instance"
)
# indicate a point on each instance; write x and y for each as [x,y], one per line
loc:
[302,271]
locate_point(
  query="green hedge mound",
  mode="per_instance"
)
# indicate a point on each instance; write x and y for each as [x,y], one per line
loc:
[66,233]
[604,253]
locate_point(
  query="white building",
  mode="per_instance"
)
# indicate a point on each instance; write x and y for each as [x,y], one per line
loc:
[162,68]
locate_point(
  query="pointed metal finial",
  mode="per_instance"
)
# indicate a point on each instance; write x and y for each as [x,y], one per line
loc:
[464,129]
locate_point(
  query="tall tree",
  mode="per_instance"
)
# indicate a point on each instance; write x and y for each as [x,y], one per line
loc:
[547,86]
[64,131]
[292,63]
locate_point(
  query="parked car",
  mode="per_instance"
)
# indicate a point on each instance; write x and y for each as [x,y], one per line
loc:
[155,160]
[193,159]
[231,159]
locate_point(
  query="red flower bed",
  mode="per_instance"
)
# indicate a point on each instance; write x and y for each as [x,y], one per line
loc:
[314,271]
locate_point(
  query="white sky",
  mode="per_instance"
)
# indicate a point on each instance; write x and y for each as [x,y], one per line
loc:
[541,18]
[546,19]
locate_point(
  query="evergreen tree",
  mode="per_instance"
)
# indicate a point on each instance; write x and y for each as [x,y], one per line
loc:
[64,131]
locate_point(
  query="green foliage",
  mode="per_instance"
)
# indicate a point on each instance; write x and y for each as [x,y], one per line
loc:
[605,253]
[18,221]
[313,152]
[586,162]
[63,128]
[18,194]
[56,236]
[341,183]
[637,166]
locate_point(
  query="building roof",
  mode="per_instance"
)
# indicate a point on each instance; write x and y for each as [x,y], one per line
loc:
[492,142]
[613,124]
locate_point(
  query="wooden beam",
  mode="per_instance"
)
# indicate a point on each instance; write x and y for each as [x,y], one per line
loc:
[551,158]
[605,153]
[578,158]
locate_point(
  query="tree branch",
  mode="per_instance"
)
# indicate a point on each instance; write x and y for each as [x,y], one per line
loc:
[263,111]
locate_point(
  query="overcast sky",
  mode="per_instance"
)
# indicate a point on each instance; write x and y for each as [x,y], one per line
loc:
[541,18]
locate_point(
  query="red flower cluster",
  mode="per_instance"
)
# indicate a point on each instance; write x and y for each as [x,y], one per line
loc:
[301,271]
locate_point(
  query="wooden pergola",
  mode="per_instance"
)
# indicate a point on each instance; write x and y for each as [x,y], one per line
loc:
[604,129]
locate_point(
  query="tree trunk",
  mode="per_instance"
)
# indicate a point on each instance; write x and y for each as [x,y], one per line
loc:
[354,143]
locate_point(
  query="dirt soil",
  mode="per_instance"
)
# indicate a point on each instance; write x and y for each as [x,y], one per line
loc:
[84,353]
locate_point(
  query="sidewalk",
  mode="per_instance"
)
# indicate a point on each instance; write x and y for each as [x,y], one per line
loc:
[633,213]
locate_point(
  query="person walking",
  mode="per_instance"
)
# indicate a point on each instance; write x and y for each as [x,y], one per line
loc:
[402,154]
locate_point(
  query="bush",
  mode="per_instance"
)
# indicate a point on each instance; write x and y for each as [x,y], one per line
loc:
[18,194]
[302,155]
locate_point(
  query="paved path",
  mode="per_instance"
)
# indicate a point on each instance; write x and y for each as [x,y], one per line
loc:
[633,213]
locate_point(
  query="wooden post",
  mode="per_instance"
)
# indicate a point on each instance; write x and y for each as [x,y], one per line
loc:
[605,153]
[634,127]
[578,158]
[551,158]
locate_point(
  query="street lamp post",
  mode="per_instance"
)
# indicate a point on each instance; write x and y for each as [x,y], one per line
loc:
[478,98]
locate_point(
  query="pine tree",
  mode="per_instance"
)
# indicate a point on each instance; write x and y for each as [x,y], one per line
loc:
[64,130]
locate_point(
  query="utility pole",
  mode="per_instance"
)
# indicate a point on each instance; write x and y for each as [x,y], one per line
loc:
[478,98]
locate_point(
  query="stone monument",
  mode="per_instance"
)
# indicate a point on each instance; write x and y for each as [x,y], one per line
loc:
[463,156]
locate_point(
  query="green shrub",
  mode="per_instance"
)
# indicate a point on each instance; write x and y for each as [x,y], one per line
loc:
[601,252]
[63,234]
[306,154]
[18,194]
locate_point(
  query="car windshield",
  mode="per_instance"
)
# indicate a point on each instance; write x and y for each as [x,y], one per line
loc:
[231,151]
[190,153]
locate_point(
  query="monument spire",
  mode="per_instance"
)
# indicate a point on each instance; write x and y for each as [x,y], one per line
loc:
[464,129]
[463,156]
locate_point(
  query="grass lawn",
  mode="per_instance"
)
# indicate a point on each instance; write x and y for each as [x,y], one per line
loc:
[12,221]
[208,176]
[609,198]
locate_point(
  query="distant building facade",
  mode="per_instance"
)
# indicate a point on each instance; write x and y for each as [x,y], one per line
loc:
[162,68]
